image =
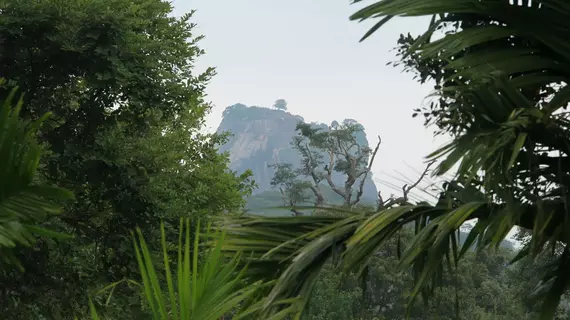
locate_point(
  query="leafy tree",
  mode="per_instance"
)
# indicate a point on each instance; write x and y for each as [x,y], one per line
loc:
[280,104]
[330,300]
[124,137]
[344,155]
[293,190]
[500,70]
[324,153]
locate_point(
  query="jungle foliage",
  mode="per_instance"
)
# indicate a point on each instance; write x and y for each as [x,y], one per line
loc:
[105,92]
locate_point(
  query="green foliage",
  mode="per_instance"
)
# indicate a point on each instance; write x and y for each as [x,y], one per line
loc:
[23,202]
[478,283]
[271,244]
[325,153]
[124,137]
[330,300]
[339,141]
[501,101]
[294,191]
[202,288]
[137,57]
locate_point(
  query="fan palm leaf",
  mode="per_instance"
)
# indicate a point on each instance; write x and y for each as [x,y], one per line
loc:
[291,249]
[23,203]
[203,284]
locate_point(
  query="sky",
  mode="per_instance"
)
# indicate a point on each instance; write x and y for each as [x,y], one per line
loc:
[308,53]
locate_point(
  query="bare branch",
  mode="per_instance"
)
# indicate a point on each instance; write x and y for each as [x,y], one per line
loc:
[283,196]
[415,184]
[366,171]
[316,180]
[297,212]
[406,191]
[320,200]
[380,201]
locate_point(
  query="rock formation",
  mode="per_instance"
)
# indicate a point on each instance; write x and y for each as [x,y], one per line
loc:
[262,136]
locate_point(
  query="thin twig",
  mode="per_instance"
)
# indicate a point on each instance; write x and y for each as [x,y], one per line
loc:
[406,190]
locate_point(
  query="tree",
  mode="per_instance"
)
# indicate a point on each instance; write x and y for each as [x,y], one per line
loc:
[124,137]
[325,153]
[345,155]
[293,190]
[499,71]
[280,104]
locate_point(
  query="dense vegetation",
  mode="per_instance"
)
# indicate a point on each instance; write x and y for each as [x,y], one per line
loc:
[484,287]
[110,101]
[124,137]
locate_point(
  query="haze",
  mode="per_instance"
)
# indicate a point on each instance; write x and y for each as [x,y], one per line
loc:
[308,52]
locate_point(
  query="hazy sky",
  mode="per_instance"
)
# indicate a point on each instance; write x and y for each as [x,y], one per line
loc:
[307,52]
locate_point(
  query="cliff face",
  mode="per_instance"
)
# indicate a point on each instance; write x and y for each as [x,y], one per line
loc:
[262,137]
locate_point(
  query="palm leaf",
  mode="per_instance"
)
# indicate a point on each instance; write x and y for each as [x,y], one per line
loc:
[507,70]
[200,288]
[23,204]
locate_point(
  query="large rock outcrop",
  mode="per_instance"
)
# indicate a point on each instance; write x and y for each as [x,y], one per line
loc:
[262,137]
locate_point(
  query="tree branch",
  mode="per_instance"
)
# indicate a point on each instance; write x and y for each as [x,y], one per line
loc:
[283,196]
[320,199]
[366,171]
[310,170]
[291,203]
[415,184]
[328,176]
[406,190]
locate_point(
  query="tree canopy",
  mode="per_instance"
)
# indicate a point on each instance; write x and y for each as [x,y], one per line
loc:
[479,280]
[124,136]
[280,104]
[324,152]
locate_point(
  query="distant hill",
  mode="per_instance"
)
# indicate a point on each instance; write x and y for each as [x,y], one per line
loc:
[261,137]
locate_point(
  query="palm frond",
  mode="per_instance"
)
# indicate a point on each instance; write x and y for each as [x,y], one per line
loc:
[506,73]
[23,204]
[290,249]
[294,249]
[201,286]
